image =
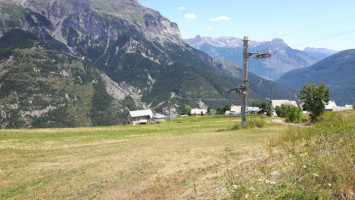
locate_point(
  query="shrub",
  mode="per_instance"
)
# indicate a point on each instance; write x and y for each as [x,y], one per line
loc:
[282,111]
[294,114]
[222,109]
[269,111]
[290,112]
[186,110]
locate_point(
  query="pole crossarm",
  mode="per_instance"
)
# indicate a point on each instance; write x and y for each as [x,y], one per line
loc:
[239,90]
[263,55]
[251,53]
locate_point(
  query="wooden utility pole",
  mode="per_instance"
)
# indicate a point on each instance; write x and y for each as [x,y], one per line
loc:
[244,93]
[243,89]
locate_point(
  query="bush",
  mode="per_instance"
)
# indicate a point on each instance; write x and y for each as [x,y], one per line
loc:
[282,111]
[294,114]
[290,112]
[186,110]
[269,111]
[222,109]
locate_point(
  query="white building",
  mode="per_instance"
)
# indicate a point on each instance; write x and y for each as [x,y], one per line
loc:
[140,116]
[330,105]
[253,110]
[342,108]
[275,103]
[235,110]
[197,111]
[160,117]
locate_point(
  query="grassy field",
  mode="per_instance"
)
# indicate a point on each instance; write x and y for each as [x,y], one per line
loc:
[186,159]
[191,158]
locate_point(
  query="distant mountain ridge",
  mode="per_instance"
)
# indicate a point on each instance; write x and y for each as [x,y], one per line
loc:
[319,53]
[336,71]
[231,49]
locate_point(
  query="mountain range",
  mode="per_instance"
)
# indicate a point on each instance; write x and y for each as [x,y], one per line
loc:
[319,53]
[72,63]
[337,72]
[283,58]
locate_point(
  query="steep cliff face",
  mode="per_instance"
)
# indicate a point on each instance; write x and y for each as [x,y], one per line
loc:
[88,28]
[150,23]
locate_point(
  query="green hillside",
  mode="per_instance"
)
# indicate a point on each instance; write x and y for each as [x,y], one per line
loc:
[336,71]
[41,87]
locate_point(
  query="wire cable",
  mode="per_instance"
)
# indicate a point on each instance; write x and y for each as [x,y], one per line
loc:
[331,36]
[315,26]
[316,40]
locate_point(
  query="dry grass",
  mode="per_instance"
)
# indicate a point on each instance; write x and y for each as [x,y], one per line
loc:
[315,162]
[187,159]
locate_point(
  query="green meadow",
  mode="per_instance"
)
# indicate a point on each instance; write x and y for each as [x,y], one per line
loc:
[205,157]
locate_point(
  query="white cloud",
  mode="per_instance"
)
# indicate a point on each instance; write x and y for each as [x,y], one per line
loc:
[190,16]
[221,18]
[181,8]
[209,27]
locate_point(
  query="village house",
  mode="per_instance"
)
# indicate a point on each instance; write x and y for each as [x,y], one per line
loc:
[235,110]
[253,110]
[275,103]
[159,117]
[198,112]
[140,116]
[332,106]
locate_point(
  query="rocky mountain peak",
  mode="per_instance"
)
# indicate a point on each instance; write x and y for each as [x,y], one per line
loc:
[224,41]
[152,24]
[279,43]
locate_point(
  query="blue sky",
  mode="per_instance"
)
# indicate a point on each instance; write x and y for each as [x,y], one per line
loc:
[295,21]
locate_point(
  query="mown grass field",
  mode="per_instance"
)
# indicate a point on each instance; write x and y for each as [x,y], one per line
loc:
[185,159]
[191,158]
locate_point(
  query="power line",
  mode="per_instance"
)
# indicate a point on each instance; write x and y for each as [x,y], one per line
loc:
[316,26]
[316,40]
[331,36]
